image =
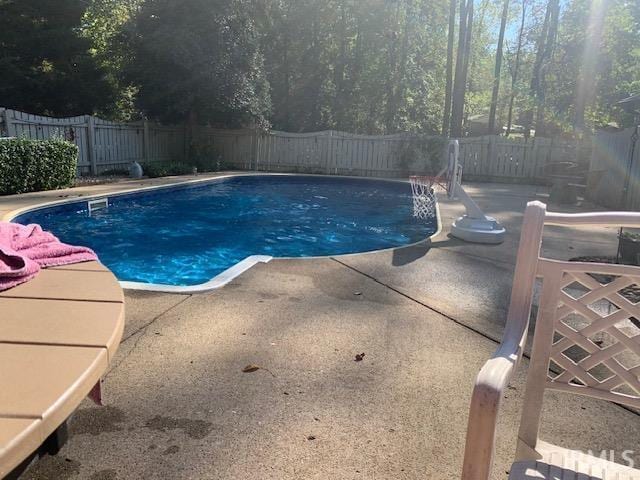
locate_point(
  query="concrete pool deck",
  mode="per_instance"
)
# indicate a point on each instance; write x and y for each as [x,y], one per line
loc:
[426,317]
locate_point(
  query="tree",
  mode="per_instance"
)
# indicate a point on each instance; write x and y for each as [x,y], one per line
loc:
[544,49]
[496,75]
[462,65]
[102,24]
[516,67]
[46,65]
[198,61]
[585,88]
[449,80]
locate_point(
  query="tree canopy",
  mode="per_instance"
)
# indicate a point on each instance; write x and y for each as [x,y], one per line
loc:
[540,67]
[45,63]
[197,60]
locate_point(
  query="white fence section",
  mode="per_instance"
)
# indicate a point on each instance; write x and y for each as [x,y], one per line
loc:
[102,144]
[331,152]
[615,164]
[106,145]
[328,152]
[494,158]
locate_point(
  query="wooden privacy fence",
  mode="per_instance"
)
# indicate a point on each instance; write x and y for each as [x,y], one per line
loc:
[328,152]
[103,145]
[488,158]
[108,145]
[615,166]
[498,158]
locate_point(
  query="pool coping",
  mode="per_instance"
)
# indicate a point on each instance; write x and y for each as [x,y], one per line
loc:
[242,266]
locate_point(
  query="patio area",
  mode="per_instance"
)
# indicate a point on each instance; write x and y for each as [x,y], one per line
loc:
[426,317]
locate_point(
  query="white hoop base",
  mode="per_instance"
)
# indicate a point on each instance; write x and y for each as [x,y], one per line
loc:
[478,230]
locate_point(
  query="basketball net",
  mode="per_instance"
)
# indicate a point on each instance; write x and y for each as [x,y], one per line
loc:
[424,188]
[424,196]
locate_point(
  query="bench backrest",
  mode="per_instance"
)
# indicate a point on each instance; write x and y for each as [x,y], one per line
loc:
[587,335]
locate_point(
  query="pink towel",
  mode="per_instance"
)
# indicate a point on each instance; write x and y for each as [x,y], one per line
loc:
[25,249]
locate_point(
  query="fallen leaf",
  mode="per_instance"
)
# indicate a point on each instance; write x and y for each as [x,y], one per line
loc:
[253,368]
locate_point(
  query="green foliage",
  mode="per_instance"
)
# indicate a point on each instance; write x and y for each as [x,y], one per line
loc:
[369,66]
[198,60]
[163,169]
[34,165]
[102,24]
[206,158]
[115,172]
[631,236]
[46,65]
[366,66]
[422,154]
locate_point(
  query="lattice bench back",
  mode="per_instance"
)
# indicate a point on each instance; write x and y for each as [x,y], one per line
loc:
[587,332]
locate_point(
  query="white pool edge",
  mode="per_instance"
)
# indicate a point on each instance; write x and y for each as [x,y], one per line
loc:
[239,268]
[218,281]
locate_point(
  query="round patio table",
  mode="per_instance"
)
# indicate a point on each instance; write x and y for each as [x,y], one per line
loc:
[58,334]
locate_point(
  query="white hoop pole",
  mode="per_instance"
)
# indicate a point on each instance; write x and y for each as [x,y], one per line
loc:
[452,167]
[474,226]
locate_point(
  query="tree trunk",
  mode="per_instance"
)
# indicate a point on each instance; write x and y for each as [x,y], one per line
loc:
[537,67]
[450,41]
[404,56]
[586,80]
[340,104]
[548,53]
[516,68]
[462,64]
[392,79]
[496,73]
[467,58]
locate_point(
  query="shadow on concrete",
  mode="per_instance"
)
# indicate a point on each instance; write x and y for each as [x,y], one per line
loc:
[406,255]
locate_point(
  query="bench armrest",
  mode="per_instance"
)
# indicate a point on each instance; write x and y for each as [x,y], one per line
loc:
[488,391]
[497,372]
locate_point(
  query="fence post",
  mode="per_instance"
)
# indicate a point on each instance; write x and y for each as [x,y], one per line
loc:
[146,141]
[10,127]
[185,142]
[255,143]
[91,140]
[534,156]
[326,146]
[491,151]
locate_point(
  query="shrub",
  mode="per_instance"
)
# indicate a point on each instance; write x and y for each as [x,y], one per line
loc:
[154,170]
[421,153]
[34,165]
[630,236]
[206,158]
[115,172]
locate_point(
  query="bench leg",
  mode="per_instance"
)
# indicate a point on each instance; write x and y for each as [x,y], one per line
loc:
[55,441]
[51,446]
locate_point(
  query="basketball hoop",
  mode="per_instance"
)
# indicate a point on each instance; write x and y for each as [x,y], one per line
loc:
[423,189]
[474,225]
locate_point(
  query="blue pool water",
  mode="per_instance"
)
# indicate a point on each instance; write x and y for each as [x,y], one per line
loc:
[187,235]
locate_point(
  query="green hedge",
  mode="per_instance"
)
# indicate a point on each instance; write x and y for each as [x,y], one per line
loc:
[34,165]
[164,169]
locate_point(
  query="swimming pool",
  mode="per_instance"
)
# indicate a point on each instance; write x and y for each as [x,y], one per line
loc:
[187,234]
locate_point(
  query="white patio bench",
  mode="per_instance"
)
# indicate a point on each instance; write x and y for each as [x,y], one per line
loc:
[568,288]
